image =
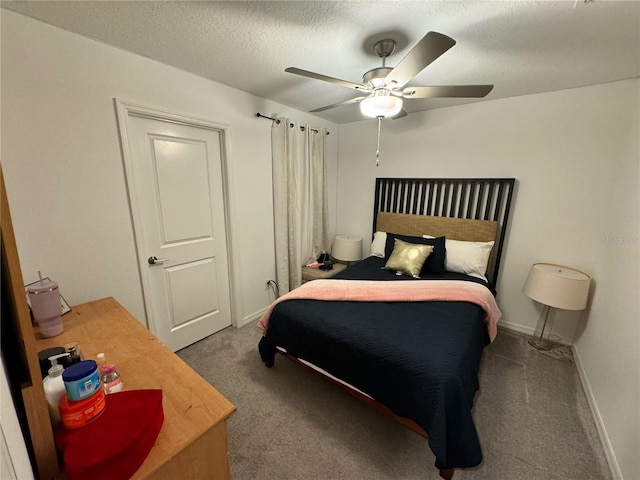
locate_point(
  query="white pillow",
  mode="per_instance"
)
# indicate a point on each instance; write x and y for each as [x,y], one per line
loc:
[470,258]
[378,244]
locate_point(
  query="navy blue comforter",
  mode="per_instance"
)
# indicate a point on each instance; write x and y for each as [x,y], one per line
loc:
[420,359]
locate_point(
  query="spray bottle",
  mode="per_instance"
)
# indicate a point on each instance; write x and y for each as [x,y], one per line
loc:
[54,387]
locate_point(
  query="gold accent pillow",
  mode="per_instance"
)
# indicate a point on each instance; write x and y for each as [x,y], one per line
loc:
[408,258]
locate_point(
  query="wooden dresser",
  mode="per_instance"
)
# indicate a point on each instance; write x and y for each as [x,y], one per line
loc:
[192,443]
[193,439]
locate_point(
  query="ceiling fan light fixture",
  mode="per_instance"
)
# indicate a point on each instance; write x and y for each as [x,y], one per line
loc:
[381,104]
[385,86]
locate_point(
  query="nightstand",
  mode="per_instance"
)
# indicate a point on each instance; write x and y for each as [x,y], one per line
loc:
[309,273]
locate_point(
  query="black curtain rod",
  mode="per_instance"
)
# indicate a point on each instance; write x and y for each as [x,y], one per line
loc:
[259,115]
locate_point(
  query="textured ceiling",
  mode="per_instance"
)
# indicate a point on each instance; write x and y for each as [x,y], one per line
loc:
[521,47]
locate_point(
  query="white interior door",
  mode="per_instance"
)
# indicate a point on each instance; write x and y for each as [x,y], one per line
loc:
[175,179]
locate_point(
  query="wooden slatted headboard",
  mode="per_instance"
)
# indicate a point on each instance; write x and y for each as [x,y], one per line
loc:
[487,199]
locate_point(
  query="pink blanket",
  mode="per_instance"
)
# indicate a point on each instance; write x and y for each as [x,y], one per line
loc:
[400,291]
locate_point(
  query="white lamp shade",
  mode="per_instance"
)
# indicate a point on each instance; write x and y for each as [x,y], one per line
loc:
[381,106]
[557,286]
[347,248]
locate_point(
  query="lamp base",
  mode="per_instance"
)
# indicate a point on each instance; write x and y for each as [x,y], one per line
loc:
[540,344]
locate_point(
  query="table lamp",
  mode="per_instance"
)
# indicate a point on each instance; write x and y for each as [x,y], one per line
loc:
[347,248]
[556,286]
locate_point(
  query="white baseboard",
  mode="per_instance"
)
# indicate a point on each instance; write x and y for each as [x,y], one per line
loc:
[526,330]
[610,455]
[252,317]
[516,327]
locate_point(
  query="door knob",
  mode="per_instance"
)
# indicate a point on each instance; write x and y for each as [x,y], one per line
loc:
[156,260]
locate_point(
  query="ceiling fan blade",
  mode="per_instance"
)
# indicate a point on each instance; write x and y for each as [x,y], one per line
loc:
[402,113]
[477,91]
[339,104]
[432,45]
[318,76]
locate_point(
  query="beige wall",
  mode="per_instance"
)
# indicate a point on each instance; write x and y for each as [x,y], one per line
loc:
[64,171]
[575,154]
[608,343]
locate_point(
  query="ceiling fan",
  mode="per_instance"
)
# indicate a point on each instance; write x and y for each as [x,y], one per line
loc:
[385,87]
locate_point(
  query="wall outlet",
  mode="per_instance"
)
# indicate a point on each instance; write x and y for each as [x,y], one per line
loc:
[266,284]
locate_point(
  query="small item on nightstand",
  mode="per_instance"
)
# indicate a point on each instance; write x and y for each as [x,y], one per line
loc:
[324,257]
[327,265]
[111,381]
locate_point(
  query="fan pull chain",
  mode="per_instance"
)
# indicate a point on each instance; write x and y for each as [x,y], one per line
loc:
[378,149]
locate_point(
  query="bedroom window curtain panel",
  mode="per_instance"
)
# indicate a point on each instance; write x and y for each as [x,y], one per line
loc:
[299,199]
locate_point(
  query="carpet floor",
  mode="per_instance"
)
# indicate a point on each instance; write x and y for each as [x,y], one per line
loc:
[531,414]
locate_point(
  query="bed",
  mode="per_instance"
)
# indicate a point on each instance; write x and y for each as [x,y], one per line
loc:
[407,339]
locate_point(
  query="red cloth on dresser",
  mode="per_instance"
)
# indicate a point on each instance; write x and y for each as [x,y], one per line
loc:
[114,445]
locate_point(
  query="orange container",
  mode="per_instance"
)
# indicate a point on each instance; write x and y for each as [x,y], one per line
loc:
[78,414]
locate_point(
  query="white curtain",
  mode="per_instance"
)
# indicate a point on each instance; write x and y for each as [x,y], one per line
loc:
[299,199]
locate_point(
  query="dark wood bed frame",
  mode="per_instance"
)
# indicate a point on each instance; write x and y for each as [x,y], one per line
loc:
[464,198]
[470,198]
